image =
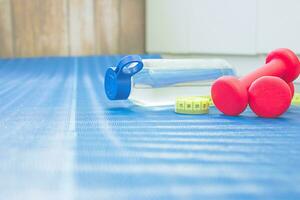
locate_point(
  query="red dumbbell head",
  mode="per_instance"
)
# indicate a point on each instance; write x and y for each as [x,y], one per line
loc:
[229,95]
[269,96]
[291,61]
[292,87]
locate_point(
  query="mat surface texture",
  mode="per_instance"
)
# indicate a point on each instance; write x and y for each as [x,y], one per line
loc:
[60,138]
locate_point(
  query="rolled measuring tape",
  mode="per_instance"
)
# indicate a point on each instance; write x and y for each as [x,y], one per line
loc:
[193,105]
[296,99]
[211,103]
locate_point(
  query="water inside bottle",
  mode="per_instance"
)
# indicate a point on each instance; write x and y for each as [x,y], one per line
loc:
[161,86]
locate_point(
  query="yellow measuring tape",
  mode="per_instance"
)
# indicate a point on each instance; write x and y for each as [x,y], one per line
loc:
[296,99]
[193,105]
[201,104]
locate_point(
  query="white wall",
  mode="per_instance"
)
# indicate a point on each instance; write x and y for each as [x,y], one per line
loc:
[235,27]
[278,25]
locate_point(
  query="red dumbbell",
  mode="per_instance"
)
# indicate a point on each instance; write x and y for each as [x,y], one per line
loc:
[292,87]
[230,95]
[269,96]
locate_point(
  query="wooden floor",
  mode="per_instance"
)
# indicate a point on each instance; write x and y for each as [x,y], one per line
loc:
[71,27]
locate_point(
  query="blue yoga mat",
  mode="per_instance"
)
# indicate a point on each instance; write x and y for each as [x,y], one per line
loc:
[60,138]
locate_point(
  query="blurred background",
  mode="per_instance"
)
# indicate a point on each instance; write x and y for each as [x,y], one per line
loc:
[71,27]
[242,32]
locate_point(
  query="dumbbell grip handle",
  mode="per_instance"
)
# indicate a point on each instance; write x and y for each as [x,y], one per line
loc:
[275,67]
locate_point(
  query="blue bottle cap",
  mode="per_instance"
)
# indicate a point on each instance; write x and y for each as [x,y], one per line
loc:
[118,79]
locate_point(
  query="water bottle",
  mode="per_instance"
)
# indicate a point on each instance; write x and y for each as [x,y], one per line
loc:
[158,82]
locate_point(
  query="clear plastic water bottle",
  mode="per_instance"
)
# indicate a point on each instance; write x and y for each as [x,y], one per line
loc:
[158,82]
